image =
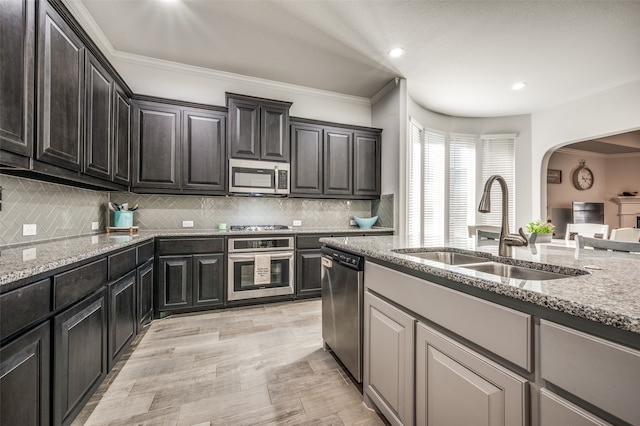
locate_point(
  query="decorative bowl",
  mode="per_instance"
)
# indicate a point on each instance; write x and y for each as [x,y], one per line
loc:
[365,222]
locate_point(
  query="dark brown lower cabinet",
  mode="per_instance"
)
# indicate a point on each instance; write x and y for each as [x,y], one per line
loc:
[308,273]
[208,280]
[25,379]
[122,316]
[190,281]
[145,294]
[80,355]
[174,282]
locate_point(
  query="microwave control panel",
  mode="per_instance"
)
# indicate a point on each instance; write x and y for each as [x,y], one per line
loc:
[283,181]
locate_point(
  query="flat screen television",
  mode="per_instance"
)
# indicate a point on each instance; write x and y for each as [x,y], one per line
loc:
[584,212]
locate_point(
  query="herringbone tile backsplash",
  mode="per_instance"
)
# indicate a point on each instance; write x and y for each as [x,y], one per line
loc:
[168,212]
[63,211]
[57,210]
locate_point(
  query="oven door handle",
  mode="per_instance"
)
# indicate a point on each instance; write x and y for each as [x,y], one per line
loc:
[279,255]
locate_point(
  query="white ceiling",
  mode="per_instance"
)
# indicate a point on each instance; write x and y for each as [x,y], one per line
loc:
[461,56]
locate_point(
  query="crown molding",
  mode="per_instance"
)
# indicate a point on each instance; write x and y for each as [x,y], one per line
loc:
[388,88]
[86,21]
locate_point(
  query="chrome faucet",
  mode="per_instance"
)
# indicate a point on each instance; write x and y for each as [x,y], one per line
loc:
[506,239]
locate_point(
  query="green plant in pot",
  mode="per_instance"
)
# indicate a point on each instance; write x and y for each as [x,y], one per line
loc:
[543,229]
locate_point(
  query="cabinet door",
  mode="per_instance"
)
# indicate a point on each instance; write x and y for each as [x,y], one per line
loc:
[244,129]
[145,294]
[156,142]
[208,280]
[60,91]
[457,386]
[366,164]
[338,155]
[25,379]
[17,51]
[306,159]
[80,358]
[308,273]
[121,137]
[122,316]
[203,151]
[174,282]
[388,359]
[98,138]
[274,133]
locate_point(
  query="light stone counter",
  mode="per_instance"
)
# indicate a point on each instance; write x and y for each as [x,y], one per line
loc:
[608,294]
[18,263]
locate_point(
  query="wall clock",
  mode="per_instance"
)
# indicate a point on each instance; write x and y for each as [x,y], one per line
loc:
[582,177]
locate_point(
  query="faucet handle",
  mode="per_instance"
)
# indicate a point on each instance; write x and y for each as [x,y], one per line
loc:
[525,242]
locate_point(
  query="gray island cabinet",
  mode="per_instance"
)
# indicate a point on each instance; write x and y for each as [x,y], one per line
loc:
[445,345]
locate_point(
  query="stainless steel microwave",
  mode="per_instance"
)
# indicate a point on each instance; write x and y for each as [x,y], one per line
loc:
[258,177]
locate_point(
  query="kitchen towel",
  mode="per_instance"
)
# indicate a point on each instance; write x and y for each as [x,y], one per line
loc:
[262,269]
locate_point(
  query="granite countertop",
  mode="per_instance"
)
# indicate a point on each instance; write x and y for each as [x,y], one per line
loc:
[609,293]
[17,263]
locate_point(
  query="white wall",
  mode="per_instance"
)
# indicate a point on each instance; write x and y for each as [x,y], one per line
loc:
[388,112]
[518,124]
[193,84]
[153,77]
[603,114]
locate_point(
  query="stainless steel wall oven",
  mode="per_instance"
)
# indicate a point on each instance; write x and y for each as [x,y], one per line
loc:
[260,267]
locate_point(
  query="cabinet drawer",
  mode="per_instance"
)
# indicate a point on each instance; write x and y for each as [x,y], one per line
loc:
[121,263]
[70,286]
[145,252]
[24,306]
[304,242]
[501,330]
[557,411]
[191,246]
[600,372]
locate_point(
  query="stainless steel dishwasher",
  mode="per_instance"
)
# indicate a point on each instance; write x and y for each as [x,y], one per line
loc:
[342,300]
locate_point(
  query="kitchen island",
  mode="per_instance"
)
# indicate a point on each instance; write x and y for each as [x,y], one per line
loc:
[446,344]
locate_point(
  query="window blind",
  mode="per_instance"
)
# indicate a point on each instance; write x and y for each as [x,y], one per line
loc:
[434,188]
[498,158]
[462,186]
[414,187]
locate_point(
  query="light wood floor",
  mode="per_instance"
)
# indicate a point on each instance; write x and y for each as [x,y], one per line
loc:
[260,365]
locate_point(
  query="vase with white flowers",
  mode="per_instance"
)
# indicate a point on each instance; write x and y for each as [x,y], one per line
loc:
[543,229]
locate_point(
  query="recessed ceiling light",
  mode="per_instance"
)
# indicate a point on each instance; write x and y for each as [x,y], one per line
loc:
[519,85]
[396,52]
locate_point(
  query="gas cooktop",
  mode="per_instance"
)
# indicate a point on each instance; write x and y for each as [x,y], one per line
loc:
[258,227]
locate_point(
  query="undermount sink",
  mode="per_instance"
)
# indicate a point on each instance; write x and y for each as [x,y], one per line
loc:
[516,272]
[449,258]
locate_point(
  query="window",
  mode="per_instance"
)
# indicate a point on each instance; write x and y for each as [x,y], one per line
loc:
[497,157]
[446,175]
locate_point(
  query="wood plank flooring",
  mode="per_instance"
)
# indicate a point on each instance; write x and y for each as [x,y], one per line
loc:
[259,365]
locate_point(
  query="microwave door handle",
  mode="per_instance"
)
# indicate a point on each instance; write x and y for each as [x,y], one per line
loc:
[275,179]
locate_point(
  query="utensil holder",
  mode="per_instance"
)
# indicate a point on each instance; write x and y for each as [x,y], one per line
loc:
[123,219]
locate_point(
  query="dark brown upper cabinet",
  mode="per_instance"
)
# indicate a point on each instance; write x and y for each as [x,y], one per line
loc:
[366,164]
[98,130]
[178,148]
[306,158]
[329,161]
[61,91]
[121,137]
[258,128]
[203,150]
[17,51]
[338,162]
[156,145]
